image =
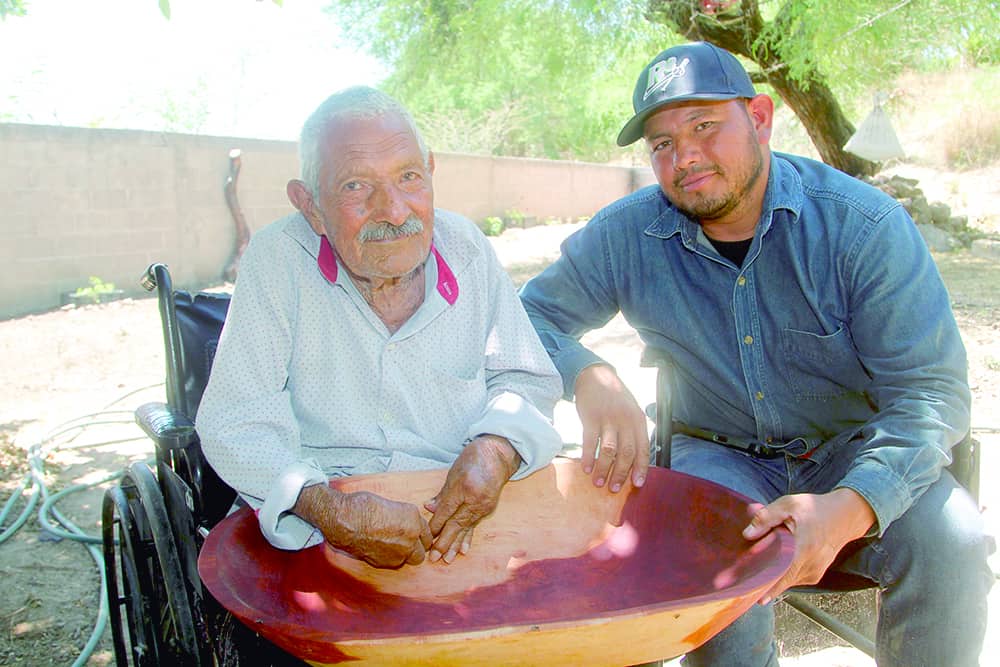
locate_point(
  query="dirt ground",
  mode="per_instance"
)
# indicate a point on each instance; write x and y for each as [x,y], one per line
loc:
[71,379]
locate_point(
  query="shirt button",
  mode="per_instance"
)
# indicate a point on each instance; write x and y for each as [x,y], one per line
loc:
[741,281]
[390,347]
[748,339]
[760,395]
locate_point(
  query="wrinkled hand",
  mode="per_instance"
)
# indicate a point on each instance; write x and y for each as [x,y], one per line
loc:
[470,494]
[611,418]
[822,526]
[379,531]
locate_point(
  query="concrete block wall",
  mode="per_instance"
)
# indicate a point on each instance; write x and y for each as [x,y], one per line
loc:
[479,186]
[77,202]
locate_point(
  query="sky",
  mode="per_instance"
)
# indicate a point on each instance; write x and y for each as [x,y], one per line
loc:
[241,68]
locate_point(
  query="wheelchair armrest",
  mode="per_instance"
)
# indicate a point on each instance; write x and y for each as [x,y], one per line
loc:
[167,428]
[965,464]
[661,413]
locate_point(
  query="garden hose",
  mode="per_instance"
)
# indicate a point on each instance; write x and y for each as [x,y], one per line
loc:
[34,486]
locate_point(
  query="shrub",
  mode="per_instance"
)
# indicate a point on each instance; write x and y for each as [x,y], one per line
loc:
[515,218]
[492,226]
[96,292]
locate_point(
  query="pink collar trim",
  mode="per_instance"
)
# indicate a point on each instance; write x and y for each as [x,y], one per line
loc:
[447,285]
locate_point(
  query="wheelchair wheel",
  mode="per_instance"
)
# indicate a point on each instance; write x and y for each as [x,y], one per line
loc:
[238,646]
[129,584]
[151,589]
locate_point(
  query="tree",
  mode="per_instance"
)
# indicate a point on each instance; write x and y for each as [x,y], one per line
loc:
[801,45]
[740,28]
[553,77]
[541,78]
[12,8]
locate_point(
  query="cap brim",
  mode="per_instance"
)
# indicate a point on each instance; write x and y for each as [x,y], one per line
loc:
[632,131]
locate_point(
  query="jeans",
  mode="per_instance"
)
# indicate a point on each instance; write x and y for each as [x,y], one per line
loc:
[930,564]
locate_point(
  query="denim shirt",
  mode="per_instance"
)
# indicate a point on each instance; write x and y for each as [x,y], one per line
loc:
[836,329]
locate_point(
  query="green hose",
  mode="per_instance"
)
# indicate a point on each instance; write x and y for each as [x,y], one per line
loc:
[62,527]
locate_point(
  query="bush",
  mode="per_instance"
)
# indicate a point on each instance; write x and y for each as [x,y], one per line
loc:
[515,218]
[492,226]
[97,292]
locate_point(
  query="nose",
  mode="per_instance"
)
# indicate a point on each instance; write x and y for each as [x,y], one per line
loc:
[686,153]
[389,205]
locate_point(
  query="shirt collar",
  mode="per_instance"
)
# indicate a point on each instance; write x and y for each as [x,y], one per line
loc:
[447,285]
[329,265]
[784,187]
[784,191]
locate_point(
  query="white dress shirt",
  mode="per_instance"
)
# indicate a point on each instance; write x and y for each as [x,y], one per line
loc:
[308,383]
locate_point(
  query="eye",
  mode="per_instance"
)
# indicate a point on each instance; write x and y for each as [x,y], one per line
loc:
[666,143]
[704,125]
[411,175]
[353,186]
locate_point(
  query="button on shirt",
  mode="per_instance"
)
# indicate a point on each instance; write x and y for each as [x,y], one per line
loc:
[836,327]
[308,383]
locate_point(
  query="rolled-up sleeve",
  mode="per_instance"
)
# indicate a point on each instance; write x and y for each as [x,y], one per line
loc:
[522,383]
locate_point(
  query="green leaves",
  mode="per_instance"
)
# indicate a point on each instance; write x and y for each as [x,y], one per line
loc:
[542,78]
[11,8]
[553,78]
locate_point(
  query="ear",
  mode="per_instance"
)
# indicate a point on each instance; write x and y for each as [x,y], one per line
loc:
[761,111]
[430,162]
[302,199]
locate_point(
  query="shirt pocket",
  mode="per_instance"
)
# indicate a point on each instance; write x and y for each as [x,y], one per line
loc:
[820,366]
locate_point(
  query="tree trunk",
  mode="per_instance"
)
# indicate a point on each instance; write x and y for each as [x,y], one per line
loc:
[826,124]
[739,29]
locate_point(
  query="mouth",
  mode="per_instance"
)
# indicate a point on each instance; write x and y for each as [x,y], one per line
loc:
[694,181]
[391,239]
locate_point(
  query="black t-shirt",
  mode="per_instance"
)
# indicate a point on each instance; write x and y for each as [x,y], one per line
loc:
[734,251]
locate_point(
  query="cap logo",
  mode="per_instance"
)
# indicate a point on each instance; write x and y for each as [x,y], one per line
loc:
[662,73]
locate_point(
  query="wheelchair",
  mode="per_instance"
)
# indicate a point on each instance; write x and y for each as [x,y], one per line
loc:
[965,467]
[155,520]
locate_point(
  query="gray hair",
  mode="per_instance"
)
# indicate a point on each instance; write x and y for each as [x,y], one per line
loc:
[350,103]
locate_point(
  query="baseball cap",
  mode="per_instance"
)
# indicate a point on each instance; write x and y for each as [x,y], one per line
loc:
[694,71]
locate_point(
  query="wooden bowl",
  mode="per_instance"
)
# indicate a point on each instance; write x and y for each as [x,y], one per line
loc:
[563,573]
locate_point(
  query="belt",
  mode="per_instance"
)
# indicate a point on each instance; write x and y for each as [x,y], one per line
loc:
[754,448]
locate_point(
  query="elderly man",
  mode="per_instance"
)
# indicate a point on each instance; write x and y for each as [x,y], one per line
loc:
[371,332]
[808,325]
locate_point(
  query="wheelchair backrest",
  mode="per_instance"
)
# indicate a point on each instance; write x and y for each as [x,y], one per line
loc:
[199,319]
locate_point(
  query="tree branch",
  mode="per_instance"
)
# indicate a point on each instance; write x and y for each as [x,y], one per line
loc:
[869,22]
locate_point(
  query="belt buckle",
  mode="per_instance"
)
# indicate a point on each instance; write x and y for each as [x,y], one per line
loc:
[796,447]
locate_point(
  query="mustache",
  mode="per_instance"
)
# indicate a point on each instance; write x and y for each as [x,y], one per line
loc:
[386,231]
[681,175]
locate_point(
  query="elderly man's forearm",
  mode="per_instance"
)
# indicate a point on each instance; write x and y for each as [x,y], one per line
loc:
[321,506]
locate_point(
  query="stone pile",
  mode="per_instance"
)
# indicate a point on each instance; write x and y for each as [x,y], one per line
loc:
[941,230]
